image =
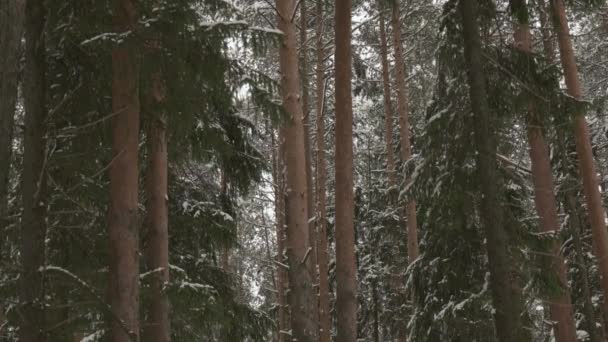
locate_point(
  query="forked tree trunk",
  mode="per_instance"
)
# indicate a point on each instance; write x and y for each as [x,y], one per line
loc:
[507,303]
[123,230]
[561,311]
[301,295]
[157,327]
[388,106]
[322,244]
[586,163]
[404,126]
[33,187]
[11,30]
[346,273]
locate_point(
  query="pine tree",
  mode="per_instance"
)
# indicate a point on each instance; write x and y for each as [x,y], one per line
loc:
[123,227]
[507,303]
[346,294]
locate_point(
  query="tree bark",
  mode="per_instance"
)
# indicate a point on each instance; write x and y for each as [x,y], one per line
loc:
[157,328]
[34,192]
[123,230]
[322,244]
[583,146]
[404,126]
[346,276]
[11,30]
[561,311]
[388,107]
[301,295]
[507,303]
[279,205]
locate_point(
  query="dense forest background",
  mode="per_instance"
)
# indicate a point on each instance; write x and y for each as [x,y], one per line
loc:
[303,170]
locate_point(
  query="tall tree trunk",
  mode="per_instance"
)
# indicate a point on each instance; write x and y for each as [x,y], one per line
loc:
[404,126]
[301,295]
[583,146]
[279,205]
[388,107]
[123,230]
[307,147]
[11,29]
[33,225]
[322,244]
[561,311]
[157,327]
[346,276]
[507,303]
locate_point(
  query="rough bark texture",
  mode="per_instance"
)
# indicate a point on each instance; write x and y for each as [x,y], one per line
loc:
[281,274]
[346,276]
[307,147]
[11,29]
[388,106]
[561,311]
[157,327]
[583,146]
[33,225]
[301,295]
[507,303]
[123,230]
[322,244]
[404,126]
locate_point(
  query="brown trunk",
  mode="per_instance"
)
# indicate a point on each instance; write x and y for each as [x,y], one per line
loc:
[322,244]
[279,197]
[11,27]
[346,273]
[404,126]
[157,328]
[388,107]
[301,295]
[545,31]
[225,251]
[507,303]
[33,186]
[123,230]
[583,147]
[561,311]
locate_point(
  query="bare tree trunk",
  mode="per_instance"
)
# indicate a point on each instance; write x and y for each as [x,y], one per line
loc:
[346,273]
[157,328]
[586,163]
[322,244]
[301,295]
[507,303]
[561,311]
[404,126]
[388,107]
[11,30]
[306,121]
[34,192]
[279,205]
[123,230]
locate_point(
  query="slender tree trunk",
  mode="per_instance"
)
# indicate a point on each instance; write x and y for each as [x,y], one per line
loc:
[586,163]
[404,126]
[322,244]
[561,311]
[301,295]
[388,107]
[123,230]
[279,205]
[548,47]
[307,147]
[11,30]
[346,273]
[507,303]
[33,225]
[157,328]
